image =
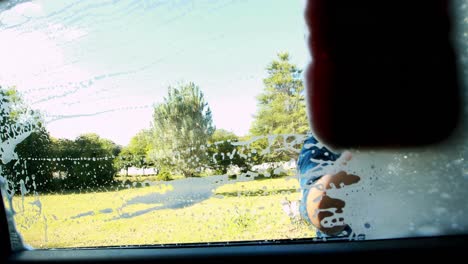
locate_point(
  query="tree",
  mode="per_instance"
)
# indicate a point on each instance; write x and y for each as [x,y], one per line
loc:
[23,139]
[135,154]
[223,153]
[85,163]
[139,147]
[17,122]
[281,109]
[125,160]
[181,127]
[31,151]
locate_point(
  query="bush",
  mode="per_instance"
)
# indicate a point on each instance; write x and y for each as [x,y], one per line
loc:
[164,175]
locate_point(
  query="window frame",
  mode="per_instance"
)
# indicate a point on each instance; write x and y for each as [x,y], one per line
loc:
[422,248]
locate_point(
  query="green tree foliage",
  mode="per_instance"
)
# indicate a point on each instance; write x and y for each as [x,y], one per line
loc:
[124,161]
[223,153]
[85,163]
[136,153]
[17,122]
[35,147]
[141,143]
[281,108]
[22,138]
[181,127]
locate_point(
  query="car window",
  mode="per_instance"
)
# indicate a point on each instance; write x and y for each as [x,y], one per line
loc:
[174,122]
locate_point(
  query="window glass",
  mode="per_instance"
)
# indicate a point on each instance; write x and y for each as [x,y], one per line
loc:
[172,122]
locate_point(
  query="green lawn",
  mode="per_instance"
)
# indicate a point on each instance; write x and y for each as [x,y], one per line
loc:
[239,211]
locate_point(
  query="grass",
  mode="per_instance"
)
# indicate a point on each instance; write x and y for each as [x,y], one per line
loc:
[239,211]
[143,178]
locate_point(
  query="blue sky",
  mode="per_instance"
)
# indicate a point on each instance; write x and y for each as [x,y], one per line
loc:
[99,66]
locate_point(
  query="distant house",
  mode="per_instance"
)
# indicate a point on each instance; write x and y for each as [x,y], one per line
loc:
[59,175]
[134,171]
[275,168]
[287,165]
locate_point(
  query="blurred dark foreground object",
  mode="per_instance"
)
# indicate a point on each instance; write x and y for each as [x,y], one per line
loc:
[383,73]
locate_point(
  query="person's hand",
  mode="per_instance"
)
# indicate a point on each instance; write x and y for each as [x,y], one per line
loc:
[321,206]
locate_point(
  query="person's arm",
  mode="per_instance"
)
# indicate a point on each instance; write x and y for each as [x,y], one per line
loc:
[318,201]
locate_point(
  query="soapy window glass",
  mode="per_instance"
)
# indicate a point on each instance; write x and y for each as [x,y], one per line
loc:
[172,122]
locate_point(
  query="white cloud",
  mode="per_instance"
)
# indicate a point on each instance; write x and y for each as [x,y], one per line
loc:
[20,14]
[28,9]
